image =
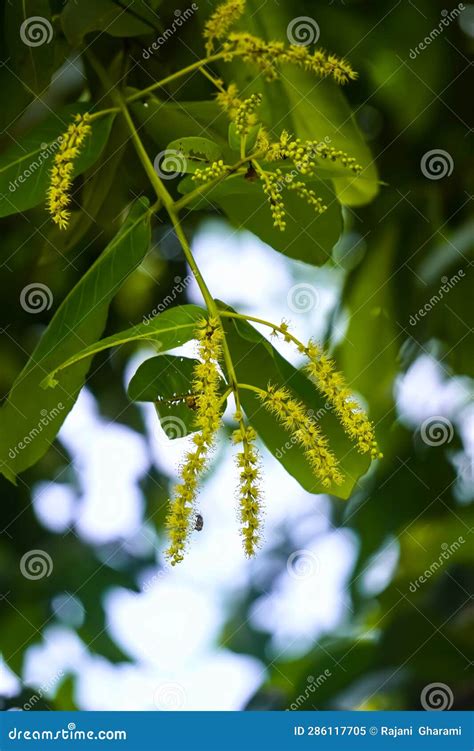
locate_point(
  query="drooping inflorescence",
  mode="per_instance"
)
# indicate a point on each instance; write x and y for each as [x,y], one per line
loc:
[305,154]
[355,422]
[293,416]
[62,172]
[218,25]
[246,117]
[207,420]
[249,485]
[267,56]
[272,185]
[228,100]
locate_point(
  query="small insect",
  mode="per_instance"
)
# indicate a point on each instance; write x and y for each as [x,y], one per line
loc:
[199,522]
[191,401]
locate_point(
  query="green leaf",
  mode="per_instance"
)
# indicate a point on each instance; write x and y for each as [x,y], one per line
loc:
[164,378]
[80,17]
[167,380]
[309,107]
[193,153]
[250,139]
[30,41]
[258,363]
[369,352]
[25,168]
[31,417]
[167,121]
[308,237]
[167,330]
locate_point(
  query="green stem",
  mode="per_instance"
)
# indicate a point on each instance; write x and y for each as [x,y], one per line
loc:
[174,76]
[172,209]
[101,113]
[229,314]
[249,387]
[198,65]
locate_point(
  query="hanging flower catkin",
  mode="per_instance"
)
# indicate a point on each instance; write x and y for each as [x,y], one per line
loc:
[248,463]
[294,417]
[62,172]
[223,18]
[207,420]
[353,419]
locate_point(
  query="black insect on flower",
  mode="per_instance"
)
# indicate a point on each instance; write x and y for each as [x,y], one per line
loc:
[199,522]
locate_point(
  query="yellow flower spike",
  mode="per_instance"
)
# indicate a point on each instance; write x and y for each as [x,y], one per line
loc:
[245,117]
[207,420]
[268,55]
[272,187]
[293,416]
[309,196]
[223,18]
[216,169]
[62,170]
[355,422]
[228,100]
[248,462]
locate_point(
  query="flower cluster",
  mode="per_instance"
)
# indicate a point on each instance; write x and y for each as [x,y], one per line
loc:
[300,422]
[228,100]
[267,56]
[249,489]
[293,416]
[62,171]
[353,419]
[207,420]
[305,154]
[245,116]
[218,25]
[308,195]
[272,183]
[215,169]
